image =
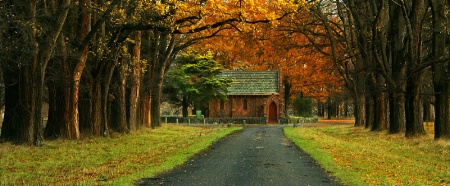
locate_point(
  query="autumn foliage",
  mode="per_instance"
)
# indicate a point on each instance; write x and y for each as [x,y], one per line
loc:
[84,49]
[268,47]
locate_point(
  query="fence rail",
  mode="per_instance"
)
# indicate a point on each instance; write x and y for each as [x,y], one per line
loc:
[240,120]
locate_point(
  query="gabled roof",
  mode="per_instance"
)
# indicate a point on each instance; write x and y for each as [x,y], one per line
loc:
[252,82]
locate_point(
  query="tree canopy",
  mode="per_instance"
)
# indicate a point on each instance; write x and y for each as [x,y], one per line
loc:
[192,81]
[101,63]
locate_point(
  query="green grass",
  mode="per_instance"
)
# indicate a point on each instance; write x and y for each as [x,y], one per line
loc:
[356,156]
[118,160]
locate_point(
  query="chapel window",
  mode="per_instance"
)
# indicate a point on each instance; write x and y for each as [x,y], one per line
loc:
[245,104]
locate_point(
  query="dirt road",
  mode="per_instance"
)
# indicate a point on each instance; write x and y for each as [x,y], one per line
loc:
[259,155]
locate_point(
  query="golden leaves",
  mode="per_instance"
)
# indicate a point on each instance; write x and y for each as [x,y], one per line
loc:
[267,47]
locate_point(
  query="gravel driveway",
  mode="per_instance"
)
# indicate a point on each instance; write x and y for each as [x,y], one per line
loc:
[257,155]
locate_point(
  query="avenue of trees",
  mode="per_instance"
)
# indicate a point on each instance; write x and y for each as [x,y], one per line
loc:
[396,62]
[391,55]
[100,64]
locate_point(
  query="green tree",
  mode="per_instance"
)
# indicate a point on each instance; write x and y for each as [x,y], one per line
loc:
[193,81]
[302,106]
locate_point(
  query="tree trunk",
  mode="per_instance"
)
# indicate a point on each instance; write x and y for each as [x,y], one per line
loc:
[24,40]
[145,109]
[397,112]
[428,114]
[287,95]
[440,70]
[360,110]
[135,82]
[55,115]
[120,100]
[163,43]
[320,109]
[397,72]
[414,109]
[413,104]
[59,91]
[362,15]
[370,110]
[71,125]
[184,106]
[380,119]
[102,80]
[85,107]
[156,101]
[329,106]
[145,101]
[95,120]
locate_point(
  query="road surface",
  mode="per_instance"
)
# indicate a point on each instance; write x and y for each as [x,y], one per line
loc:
[257,155]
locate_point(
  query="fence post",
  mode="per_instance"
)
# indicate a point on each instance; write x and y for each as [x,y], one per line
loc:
[177,121]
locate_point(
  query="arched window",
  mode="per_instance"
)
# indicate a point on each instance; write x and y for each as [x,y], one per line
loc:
[245,104]
[222,104]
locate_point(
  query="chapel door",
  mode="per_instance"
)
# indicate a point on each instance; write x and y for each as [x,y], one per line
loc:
[273,116]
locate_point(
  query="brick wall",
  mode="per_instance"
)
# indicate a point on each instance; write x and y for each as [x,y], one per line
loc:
[257,106]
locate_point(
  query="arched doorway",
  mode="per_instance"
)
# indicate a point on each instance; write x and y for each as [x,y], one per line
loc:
[273,116]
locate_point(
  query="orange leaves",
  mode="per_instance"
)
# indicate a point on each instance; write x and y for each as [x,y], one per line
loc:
[234,13]
[256,39]
[262,47]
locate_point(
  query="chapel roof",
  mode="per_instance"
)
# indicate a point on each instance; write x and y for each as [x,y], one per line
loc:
[252,82]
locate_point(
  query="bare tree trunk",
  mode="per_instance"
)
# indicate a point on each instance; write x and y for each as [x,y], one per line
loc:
[135,82]
[440,70]
[100,93]
[145,101]
[414,108]
[24,40]
[398,71]
[71,127]
[184,106]
[95,120]
[360,110]
[361,17]
[85,106]
[119,105]
[59,93]
[163,45]
[55,115]
[329,105]
[156,102]
[145,109]
[413,104]
[397,112]
[380,119]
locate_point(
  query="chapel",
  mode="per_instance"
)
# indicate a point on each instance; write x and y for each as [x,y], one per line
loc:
[251,94]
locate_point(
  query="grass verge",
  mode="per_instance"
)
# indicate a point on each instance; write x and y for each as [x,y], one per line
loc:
[356,156]
[119,160]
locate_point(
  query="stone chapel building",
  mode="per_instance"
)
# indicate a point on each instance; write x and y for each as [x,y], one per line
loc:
[251,94]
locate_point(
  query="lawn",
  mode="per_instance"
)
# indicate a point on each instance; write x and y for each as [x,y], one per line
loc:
[122,159]
[356,156]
